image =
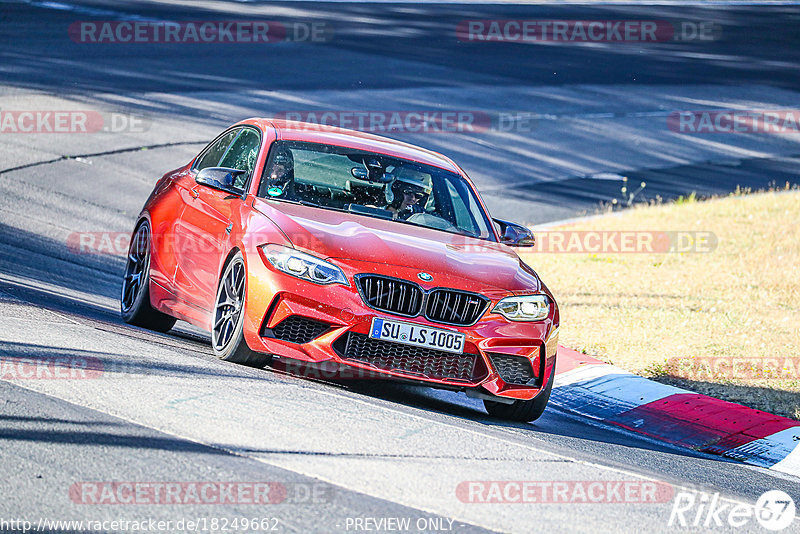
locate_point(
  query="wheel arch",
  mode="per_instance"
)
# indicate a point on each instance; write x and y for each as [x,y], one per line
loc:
[231,253]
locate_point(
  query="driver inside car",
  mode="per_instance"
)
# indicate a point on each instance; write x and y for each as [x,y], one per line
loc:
[280,182]
[407,194]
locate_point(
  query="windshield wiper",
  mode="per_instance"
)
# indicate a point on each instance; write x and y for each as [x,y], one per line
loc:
[456,231]
[378,213]
[306,203]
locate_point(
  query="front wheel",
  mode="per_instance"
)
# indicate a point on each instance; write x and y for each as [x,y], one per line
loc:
[227,330]
[135,299]
[526,411]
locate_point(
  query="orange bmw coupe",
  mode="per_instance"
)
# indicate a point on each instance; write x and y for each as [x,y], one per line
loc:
[329,246]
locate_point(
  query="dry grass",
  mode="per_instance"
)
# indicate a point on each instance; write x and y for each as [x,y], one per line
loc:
[741,301]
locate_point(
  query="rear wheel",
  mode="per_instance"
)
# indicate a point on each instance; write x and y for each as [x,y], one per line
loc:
[135,300]
[525,411]
[227,330]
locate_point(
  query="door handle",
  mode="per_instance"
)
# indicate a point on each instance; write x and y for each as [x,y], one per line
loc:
[194,192]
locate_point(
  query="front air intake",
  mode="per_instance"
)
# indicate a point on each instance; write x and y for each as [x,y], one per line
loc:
[297,329]
[418,361]
[513,369]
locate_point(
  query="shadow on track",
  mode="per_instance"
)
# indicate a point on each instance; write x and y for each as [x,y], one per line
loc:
[98,277]
[457,405]
[743,49]
[19,360]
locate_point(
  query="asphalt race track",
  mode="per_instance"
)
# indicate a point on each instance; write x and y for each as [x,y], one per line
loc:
[349,455]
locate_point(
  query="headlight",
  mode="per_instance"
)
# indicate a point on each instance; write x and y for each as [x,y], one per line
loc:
[525,308]
[304,266]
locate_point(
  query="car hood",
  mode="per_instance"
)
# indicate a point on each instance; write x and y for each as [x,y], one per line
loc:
[359,238]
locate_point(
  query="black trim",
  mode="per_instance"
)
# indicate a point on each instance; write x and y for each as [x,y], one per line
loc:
[415,362]
[357,278]
[424,303]
[478,315]
[287,329]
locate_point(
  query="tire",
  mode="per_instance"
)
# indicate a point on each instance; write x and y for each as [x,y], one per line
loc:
[227,328]
[525,411]
[134,301]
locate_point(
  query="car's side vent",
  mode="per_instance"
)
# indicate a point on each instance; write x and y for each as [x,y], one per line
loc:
[513,369]
[297,329]
[390,294]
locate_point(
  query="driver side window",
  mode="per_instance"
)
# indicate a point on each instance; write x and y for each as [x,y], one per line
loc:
[242,155]
[212,155]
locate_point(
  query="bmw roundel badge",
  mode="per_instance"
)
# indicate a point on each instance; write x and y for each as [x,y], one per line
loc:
[425,277]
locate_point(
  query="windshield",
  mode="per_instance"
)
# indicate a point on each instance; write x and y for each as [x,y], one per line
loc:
[375,185]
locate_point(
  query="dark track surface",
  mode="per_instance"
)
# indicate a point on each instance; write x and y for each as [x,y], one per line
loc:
[176,413]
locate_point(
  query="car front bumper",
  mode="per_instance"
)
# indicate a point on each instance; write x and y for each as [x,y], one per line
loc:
[493,345]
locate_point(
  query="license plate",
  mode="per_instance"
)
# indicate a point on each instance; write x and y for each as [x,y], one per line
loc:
[417,335]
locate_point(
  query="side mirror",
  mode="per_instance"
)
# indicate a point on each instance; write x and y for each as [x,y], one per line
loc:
[515,235]
[220,178]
